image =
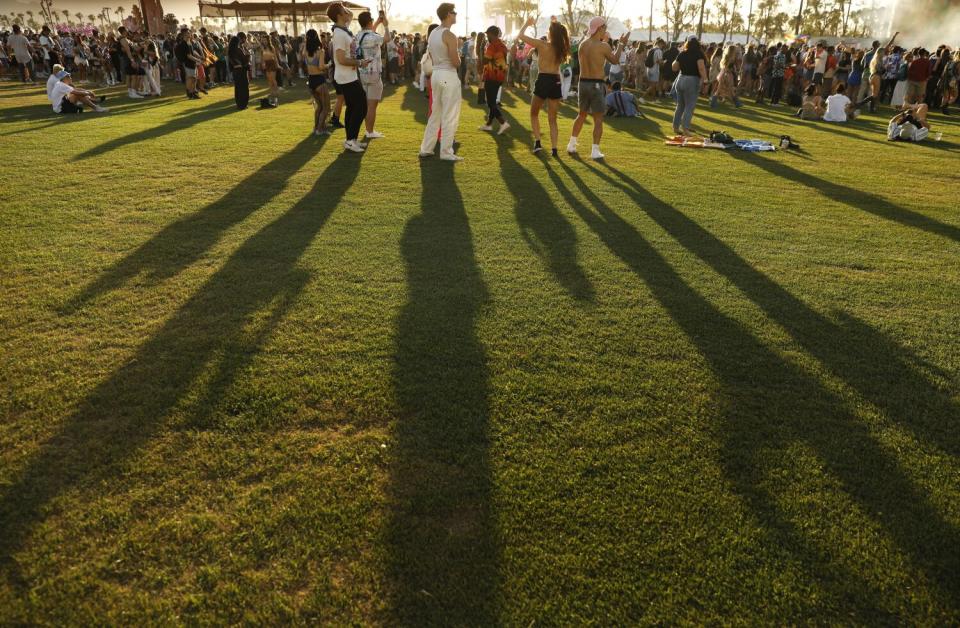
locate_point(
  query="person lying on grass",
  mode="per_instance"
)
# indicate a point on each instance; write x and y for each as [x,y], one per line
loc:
[910,125]
[68,99]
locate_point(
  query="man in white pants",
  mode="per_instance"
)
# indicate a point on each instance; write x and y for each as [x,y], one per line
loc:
[445,116]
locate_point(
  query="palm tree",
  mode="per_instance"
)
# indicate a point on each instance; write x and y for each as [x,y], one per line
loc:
[91,18]
[120,13]
[66,15]
[20,18]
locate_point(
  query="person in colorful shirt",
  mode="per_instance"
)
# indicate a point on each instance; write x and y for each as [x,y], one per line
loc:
[777,72]
[494,74]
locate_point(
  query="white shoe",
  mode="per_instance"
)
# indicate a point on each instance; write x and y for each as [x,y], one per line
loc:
[353,145]
[451,157]
[504,128]
[133,94]
[595,153]
[485,127]
[372,135]
[572,146]
[99,109]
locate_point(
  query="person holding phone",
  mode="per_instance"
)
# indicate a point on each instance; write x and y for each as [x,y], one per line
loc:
[348,62]
[369,46]
[547,88]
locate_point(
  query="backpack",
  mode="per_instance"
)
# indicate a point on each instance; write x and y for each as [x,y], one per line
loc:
[649,60]
[786,142]
[721,137]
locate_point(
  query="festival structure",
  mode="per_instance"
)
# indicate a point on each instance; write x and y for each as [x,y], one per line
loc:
[300,12]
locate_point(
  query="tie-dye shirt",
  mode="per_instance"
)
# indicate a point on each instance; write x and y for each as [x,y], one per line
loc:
[495,62]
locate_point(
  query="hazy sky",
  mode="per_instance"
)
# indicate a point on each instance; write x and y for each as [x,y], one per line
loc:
[187,8]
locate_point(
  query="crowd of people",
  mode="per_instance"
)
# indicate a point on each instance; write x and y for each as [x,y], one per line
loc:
[833,83]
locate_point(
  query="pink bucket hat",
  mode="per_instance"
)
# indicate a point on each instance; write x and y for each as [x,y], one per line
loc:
[595,25]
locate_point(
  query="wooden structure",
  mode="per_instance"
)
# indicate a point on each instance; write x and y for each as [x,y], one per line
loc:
[300,12]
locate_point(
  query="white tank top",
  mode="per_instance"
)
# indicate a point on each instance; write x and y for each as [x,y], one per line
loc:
[438,50]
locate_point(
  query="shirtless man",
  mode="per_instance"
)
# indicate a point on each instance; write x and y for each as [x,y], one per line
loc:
[551,54]
[592,91]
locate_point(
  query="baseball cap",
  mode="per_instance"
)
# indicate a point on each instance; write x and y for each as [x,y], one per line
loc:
[62,74]
[595,25]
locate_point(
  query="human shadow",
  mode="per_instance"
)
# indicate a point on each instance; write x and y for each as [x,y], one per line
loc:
[117,107]
[767,404]
[208,340]
[177,123]
[183,241]
[416,101]
[543,227]
[443,548]
[851,197]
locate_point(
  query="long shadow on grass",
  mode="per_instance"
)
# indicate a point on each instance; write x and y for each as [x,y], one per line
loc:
[177,123]
[443,549]
[768,404]
[851,197]
[545,230]
[213,336]
[416,101]
[182,242]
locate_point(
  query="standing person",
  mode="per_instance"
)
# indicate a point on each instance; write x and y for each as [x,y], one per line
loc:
[918,73]
[20,45]
[950,82]
[270,66]
[693,70]
[494,73]
[347,64]
[130,65]
[480,46]
[239,60]
[314,57]
[592,91]
[445,113]
[185,55]
[652,62]
[369,45]
[551,54]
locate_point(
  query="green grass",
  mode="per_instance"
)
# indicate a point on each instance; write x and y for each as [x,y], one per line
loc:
[247,378]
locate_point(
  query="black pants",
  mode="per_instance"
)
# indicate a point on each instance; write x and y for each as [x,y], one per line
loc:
[776,89]
[356,101]
[491,89]
[241,87]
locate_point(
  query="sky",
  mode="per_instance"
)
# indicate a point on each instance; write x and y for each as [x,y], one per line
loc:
[188,8]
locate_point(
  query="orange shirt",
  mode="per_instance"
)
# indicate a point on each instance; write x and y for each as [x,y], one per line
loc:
[495,62]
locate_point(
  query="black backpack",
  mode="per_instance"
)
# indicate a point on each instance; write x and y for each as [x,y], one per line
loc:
[649,60]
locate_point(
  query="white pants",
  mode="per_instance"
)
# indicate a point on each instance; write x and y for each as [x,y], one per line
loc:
[153,79]
[445,116]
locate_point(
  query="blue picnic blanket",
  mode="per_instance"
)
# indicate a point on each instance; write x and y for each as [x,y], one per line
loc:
[754,146]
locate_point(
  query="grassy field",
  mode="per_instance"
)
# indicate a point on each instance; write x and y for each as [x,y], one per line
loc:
[245,377]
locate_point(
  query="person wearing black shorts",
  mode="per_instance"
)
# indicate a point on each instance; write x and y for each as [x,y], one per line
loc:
[551,53]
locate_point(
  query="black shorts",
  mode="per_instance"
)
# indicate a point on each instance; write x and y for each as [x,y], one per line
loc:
[548,87]
[68,107]
[337,88]
[315,80]
[818,78]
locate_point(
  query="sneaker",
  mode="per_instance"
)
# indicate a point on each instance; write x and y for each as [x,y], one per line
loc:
[451,157]
[485,127]
[133,94]
[504,128]
[100,109]
[553,151]
[102,99]
[537,147]
[352,145]
[595,152]
[372,135]
[360,144]
[335,123]
[572,146]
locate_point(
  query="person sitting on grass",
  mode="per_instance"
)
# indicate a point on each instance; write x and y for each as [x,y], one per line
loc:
[622,104]
[66,98]
[812,106]
[910,125]
[839,107]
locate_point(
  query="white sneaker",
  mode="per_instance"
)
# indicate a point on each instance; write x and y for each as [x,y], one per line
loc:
[595,153]
[372,135]
[451,157]
[352,145]
[504,128]
[133,94]
[485,127]
[99,109]
[572,146]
